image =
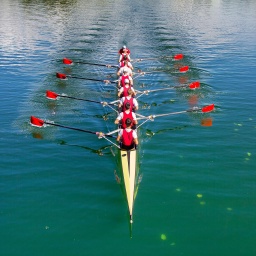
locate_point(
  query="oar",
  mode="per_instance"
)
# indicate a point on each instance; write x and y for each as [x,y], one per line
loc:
[182,69]
[204,109]
[53,96]
[192,86]
[175,57]
[70,62]
[64,76]
[40,123]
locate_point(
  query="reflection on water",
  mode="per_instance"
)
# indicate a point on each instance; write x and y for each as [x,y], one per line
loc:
[207,121]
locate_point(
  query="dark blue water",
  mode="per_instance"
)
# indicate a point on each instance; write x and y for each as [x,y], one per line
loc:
[59,194]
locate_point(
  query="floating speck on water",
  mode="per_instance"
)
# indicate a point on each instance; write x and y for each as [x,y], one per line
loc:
[46,227]
[172,244]
[199,195]
[202,202]
[247,159]
[178,189]
[163,236]
[249,154]
[229,209]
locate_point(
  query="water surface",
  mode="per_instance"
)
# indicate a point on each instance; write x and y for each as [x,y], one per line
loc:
[197,192]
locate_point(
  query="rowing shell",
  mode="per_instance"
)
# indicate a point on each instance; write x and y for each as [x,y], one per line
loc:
[128,160]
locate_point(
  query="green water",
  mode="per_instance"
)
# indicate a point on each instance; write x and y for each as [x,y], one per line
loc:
[59,194]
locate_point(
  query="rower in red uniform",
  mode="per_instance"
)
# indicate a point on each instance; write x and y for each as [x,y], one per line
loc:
[122,69]
[128,137]
[133,102]
[122,78]
[126,62]
[124,52]
[123,92]
[126,114]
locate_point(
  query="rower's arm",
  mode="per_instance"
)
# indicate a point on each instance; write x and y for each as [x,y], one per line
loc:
[131,80]
[120,103]
[120,92]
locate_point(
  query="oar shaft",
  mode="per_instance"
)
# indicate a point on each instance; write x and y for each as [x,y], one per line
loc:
[156,58]
[93,79]
[69,62]
[68,127]
[70,97]
[85,78]
[173,113]
[73,128]
[98,64]
[94,101]
[180,112]
[162,89]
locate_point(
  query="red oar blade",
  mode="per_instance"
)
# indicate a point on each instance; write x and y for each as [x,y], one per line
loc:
[61,76]
[36,121]
[208,108]
[184,69]
[51,95]
[194,85]
[67,61]
[178,56]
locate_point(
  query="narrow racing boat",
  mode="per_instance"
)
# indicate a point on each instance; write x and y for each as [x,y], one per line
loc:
[128,159]
[129,171]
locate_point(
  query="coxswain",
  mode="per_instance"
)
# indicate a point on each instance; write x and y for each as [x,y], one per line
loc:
[128,137]
[123,92]
[133,102]
[121,118]
[122,78]
[124,52]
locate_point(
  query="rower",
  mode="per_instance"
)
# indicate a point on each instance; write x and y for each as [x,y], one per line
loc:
[121,118]
[133,102]
[122,69]
[123,92]
[124,52]
[126,62]
[122,78]
[127,137]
